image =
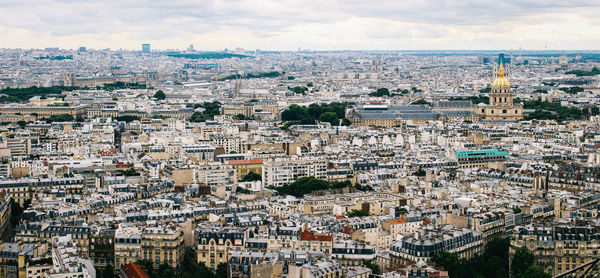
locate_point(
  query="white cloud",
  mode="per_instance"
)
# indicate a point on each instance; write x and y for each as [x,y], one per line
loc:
[288,24]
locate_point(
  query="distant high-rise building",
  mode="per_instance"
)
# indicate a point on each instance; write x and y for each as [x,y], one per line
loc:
[146,48]
[502,59]
[191,48]
[82,49]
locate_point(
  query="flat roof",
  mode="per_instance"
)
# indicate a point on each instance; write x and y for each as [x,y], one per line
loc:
[485,152]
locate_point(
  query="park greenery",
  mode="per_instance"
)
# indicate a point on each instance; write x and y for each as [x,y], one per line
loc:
[571,90]
[130,172]
[545,110]
[493,263]
[251,177]
[485,90]
[160,95]
[121,85]
[189,270]
[211,109]
[420,102]
[59,118]
[58,57]
[24,94]
[298,90]
[474,99]
[307,185]
[308,115]
[373,266]
[358,213]
[593,72]
[127,118]
[240,117]
[380,92]
[270,74]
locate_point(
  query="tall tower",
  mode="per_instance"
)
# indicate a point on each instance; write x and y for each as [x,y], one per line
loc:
[146,48]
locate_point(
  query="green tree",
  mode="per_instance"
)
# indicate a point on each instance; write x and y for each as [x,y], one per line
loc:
[130,172]
[299,90]
[358,213]
[108,272]
[251,177]
[240,117]
[373,266]
[22,124]
[211,109]
[160,95]
[59,118]
[420,102]
[330,117]
[521,260]
[222,270]
[302,186]
[450,262]
[127,118]
[381,92]
[534,272]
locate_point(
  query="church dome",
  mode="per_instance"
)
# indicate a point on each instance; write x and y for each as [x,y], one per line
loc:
[501,81]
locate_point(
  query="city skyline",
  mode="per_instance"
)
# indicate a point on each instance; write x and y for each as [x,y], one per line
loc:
[331,25]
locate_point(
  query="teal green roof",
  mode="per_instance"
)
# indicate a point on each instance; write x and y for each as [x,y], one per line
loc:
[479,153]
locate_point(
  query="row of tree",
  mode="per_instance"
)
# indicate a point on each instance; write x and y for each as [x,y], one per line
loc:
[306,185]
[493,263]
[211,109]
[24,94]
[545,110]
[383,92]
[308,115]
[593,72]
[270,74]
[189,270]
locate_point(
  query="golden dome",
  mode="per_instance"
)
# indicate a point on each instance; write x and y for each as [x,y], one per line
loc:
[501,80]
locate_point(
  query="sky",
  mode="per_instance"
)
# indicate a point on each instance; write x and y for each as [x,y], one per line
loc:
[309,24]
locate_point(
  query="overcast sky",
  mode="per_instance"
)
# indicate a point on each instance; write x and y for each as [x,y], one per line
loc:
[310,24]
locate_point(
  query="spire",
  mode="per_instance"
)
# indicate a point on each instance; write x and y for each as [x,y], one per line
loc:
[501,70]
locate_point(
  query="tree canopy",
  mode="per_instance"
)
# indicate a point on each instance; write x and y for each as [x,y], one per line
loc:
[594,71]
[23,94]
[420,101]
[271,74]
[251,177]
[211,109]
[493,263]
[380,92]
[127,118]
[160,95]
[331,113]
[298,90]
[358,213]
[306,185]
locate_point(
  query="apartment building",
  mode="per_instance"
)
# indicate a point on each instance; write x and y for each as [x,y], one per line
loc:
[128,246]
[214,244]
[244,167]
[163,244]
[279,172]
[462,241]
[352,253]
[558,248]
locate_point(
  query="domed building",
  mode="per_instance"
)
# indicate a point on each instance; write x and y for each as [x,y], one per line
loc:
[501,105]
